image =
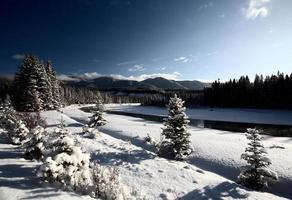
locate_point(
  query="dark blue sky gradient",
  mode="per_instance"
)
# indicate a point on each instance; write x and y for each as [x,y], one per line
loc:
[214,40]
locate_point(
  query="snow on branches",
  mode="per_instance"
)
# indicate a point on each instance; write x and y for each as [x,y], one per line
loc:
[256,174]
[35,145]
[19,134]
[97,119]
[65,163]
[176,143]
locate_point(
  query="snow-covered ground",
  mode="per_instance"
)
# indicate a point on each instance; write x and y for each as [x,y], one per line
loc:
[18,179]
[259,116]
[209,174]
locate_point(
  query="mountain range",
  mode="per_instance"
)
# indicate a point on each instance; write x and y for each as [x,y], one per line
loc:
[158,83]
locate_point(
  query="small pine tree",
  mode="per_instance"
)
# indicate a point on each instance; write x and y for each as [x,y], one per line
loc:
[8,119]
[66,164]
[19,134]
[256,175]
[176,144]
[97,119]
[35,145]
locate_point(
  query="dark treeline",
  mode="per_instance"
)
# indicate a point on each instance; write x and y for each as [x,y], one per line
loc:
[192,98]
[72,94]
[273,92]
[5,88]
[84,95]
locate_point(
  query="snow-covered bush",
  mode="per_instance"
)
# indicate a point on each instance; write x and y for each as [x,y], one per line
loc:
[65,164]
[256,174]
[35,145]
[19,134]
[8,119]
[176,142]
[106,184]
[97,119]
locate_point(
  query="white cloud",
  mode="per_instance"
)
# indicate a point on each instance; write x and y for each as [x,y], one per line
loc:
[183,59]
[64,77]
[93,75]
[18,56]
[171,76]
[256,8]
[136,68]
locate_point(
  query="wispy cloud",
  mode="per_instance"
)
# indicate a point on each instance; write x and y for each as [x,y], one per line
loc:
[161,68]
[93,75]
[136,68]
[206,5]
[127,62]
[184,59]
[18,56]
[256,8]
[222,16]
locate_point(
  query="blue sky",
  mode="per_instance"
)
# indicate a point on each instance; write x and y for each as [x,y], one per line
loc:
[137,39]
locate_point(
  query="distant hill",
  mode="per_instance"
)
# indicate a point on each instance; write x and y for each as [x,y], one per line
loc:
[159,83]
[163,83]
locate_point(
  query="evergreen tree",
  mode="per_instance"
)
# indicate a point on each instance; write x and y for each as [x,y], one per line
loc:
[26,96]
[177,143]
[256,175]
[97,119]
[54,83]
[44,87]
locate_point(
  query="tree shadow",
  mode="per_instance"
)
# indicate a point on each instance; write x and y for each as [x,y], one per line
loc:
[10,154]
[220,191]
[20,176]
[137,141]
[80,120]
[226,171]
[117,158]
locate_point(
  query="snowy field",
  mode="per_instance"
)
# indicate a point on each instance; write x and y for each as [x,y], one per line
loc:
[209,174]
[272,117]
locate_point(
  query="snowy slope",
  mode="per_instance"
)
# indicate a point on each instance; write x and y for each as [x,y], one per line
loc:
[208,175]
[216,151]
[274,117]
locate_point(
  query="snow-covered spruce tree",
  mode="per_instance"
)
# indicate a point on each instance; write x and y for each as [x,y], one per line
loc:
[44,87]
[25,89]
[19,134]
[90,130]
[66,164]
[256,174]
[176,142]
[54,83]
[35,145]
[97,119]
